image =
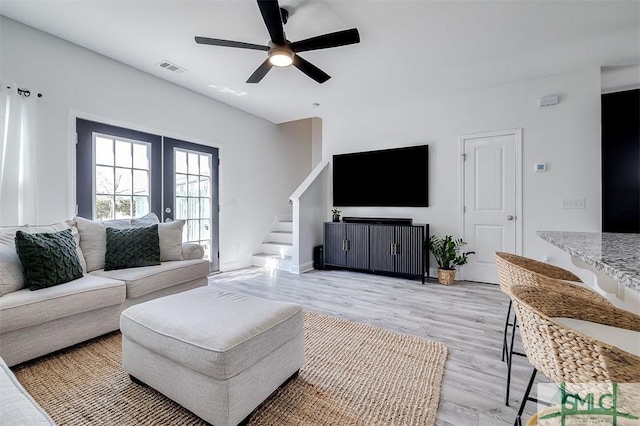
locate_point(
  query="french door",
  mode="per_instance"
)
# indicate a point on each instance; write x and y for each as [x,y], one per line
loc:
[191,193]
[123,173]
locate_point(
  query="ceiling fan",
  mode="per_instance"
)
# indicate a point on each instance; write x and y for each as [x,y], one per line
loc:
[282,52]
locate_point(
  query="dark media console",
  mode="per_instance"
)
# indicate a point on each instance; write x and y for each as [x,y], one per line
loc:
[389,246]
[379,220]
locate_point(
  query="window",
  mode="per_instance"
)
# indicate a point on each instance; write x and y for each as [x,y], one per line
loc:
[121,184]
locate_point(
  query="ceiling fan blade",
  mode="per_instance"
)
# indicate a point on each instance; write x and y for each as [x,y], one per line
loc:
[270,11]
[311,70]
[259,73]
[339,38]
[229,43]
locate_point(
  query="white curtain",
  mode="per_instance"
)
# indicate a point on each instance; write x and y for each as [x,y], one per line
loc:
[18,167]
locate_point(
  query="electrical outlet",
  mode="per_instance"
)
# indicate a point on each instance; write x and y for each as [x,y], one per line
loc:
[578,203]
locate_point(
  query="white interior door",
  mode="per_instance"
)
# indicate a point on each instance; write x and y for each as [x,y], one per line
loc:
[491,200]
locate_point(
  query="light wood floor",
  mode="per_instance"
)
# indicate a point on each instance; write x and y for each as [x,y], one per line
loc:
[468,317]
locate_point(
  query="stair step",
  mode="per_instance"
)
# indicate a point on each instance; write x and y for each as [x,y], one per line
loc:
[272,262]
[278,243]
[272,256]
[282,232]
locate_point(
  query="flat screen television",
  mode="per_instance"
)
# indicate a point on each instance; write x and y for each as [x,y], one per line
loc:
[397,177]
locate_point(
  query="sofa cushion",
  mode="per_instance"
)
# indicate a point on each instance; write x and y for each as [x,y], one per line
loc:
[17,407]
[48,259]
[141,281]
[132,247]
[25,308]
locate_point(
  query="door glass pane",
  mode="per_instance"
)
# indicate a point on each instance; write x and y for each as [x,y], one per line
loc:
[193,186]
[204,165]
[123,183]
[206,245]
[193,230]
[123,208]
[181,208]
[181,184]
[205,207]
[104,151]
[194,208]
[140,206]
[140,156]
[104,180]
[181,162]
[123,154]
[140,182]
[104,207]
[204,228]
[204,186]
[194,167]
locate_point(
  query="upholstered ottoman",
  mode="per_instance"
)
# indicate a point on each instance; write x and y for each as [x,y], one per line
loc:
[217,353]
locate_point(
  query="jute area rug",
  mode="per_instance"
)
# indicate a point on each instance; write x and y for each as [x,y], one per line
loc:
[354,374]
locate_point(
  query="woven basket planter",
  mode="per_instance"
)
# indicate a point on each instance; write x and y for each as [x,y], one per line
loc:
[446,276]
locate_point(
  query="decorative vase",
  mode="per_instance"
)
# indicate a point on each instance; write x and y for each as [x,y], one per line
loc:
[336,218]
[446,276]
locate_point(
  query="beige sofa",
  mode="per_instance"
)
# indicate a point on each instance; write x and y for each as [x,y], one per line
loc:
[35,323]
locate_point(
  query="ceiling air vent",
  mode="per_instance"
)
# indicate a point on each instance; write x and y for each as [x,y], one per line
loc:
[171,67]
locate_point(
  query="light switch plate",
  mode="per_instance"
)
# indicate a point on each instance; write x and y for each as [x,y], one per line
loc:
[540,167]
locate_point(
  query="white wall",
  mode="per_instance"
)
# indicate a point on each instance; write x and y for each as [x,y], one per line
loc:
[565,136]
[261,165]
[619,79]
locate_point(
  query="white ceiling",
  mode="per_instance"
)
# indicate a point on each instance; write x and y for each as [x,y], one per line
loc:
[408,50]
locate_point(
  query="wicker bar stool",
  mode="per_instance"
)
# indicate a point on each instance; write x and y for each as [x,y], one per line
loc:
[563,353]
[518,270]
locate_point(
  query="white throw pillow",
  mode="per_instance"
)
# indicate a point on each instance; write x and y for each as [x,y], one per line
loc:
[93,242]
[146,220]
[627,340]
[170,235]
[11,274]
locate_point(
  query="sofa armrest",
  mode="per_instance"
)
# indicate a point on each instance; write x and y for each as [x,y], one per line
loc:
[191,251]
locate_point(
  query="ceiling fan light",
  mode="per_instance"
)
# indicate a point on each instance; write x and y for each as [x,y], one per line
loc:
[281,57]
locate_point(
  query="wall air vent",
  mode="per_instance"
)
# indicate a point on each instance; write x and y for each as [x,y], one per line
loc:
[171,67]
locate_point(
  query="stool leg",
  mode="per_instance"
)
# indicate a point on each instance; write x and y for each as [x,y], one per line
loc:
[525,398]
[510,361]
[504,334]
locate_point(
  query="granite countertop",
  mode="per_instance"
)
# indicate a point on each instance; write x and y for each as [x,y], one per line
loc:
[616,255]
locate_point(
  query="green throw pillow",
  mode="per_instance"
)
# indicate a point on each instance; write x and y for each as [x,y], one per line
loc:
[48,258]
[132,247]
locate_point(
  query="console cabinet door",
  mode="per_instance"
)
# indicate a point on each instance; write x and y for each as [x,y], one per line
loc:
[382,240]
[334,237]
[357,245]
[409,249]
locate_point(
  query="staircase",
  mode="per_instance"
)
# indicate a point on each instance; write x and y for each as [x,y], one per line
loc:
[275,250]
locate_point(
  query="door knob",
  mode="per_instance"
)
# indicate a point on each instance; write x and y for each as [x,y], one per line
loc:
[510,217]
[167,210]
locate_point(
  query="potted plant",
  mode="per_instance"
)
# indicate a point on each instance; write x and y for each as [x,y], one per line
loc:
[336,214]
[447,253]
